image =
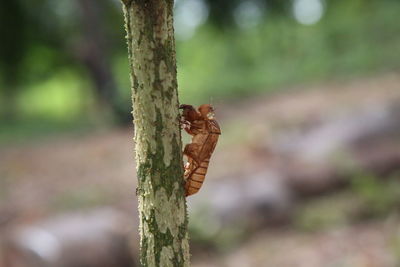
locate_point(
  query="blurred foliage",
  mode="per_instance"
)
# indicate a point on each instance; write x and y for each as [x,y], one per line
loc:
[328,211]
[208,234]
[66,60]
[204,237]
[352,39]
[222,12]
[378,196]
[368,197]
[395,244]
[82,199]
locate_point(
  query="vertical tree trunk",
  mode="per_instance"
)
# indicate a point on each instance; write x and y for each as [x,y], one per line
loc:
[162,206]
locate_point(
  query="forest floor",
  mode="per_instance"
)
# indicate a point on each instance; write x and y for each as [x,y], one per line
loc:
[80,172]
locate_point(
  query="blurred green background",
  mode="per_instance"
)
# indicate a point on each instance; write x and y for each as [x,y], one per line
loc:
[307,93]
[63,64]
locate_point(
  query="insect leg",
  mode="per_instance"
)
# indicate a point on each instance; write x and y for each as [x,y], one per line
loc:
[191,151]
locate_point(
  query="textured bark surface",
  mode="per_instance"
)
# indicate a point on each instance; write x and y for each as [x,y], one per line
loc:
[162,206]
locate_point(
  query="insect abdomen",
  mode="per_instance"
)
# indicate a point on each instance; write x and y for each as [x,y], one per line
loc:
[196,177]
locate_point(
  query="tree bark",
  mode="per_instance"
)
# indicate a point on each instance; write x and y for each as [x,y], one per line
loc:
[162,205]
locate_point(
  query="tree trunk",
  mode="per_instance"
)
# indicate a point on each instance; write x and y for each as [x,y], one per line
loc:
[162,206]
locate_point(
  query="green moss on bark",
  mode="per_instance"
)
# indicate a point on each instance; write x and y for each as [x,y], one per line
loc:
[162,206]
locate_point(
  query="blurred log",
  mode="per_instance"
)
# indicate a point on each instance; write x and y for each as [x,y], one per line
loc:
[328,155]
[97,239]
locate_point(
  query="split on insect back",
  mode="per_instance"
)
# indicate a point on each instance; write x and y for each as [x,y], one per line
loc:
[205,131]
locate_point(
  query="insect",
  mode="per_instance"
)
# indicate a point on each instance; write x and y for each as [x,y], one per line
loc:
[205,131]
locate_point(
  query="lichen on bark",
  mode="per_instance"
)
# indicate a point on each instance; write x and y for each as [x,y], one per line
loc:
[162,206]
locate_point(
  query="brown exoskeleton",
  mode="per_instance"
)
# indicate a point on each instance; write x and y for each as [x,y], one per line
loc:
[205,132]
